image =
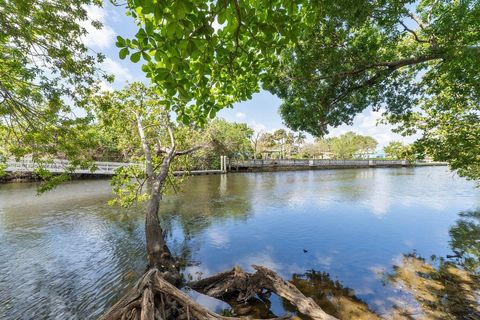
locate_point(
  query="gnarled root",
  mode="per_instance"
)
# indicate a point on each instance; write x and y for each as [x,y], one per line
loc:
[245,286]
[154,298]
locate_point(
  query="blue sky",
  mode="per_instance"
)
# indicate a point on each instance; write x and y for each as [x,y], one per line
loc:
[261,112]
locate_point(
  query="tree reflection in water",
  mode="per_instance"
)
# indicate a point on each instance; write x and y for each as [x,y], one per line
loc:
[437,287]
[446,288]
[440,288]
[331,296]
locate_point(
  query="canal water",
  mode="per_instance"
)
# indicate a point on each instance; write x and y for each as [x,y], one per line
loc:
[352,239]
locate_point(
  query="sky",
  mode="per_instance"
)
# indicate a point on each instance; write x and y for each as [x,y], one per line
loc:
[260,113]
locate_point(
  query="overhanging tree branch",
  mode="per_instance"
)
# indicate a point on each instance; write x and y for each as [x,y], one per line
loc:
[188,151]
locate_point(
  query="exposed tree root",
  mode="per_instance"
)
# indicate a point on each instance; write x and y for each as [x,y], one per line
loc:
[245,286]
[154,298]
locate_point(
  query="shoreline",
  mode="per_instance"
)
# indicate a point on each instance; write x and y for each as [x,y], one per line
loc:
[16,177]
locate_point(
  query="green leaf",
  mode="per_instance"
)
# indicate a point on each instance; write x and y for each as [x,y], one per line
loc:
[146,56]
[120,42]
[222,16]
[135,57]
[180,10]
[123,53]
[171,28]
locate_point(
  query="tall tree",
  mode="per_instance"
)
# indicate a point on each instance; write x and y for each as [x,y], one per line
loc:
[394,150]
[44,59]
[351,145]
[46,71]
[419,61]
[255,140]
[137,116]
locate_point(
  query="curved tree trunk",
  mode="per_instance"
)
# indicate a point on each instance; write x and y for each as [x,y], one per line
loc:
[158,253]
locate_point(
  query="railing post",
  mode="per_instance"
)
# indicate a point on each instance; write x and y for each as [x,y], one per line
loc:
[223,164]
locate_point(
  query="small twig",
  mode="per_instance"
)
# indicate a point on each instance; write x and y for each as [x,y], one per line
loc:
[413,33]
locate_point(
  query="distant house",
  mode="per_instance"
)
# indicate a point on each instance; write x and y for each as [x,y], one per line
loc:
[325,155]
[272,154]
[373,155]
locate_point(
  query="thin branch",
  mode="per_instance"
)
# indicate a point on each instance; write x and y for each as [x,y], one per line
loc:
[146,149]
[413,33]
[188,151]
[239,19]
[161,149]
[172,138]
[391,65]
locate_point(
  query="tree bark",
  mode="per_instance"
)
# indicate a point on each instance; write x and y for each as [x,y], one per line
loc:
[245,286]
[153,298]
[158,254]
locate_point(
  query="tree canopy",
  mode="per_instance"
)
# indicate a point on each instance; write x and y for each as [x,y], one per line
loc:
[43,58]
[204,56]
[46,71]
[418,61]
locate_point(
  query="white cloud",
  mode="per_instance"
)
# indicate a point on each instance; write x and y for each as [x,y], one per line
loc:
[121,73]
[104,86]
[366,123]
[240,115]
[218,238]
[257,126]
[97,38]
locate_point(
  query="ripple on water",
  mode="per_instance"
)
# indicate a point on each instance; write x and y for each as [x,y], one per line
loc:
[66,255]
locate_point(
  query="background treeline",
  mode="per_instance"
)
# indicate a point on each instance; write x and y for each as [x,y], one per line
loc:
[239,141]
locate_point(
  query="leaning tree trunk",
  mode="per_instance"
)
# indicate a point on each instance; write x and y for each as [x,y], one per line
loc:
[158,253]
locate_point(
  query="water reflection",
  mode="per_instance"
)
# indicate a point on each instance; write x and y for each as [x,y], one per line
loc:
[441,288]
[445,287]
[68,255]
[331,296]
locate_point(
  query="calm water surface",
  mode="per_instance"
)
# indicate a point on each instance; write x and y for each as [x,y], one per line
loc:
[68,255]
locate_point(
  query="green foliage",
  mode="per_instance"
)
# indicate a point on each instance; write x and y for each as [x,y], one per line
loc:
[221,138]
[394,150]
[418,61]
[346,146]
[229,139]
[50,180]
[453,136]
[43,59]
[128,184]
[43,63]
[398,151]
[124,116]
[3,159]
[351,145]
[75,140]
[205,55]
[3,166]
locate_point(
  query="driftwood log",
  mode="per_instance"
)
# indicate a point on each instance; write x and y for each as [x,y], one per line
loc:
[154,298]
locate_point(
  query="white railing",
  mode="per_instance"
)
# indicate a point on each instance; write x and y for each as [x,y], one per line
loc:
[101,167]
[59,166]
[313,163]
